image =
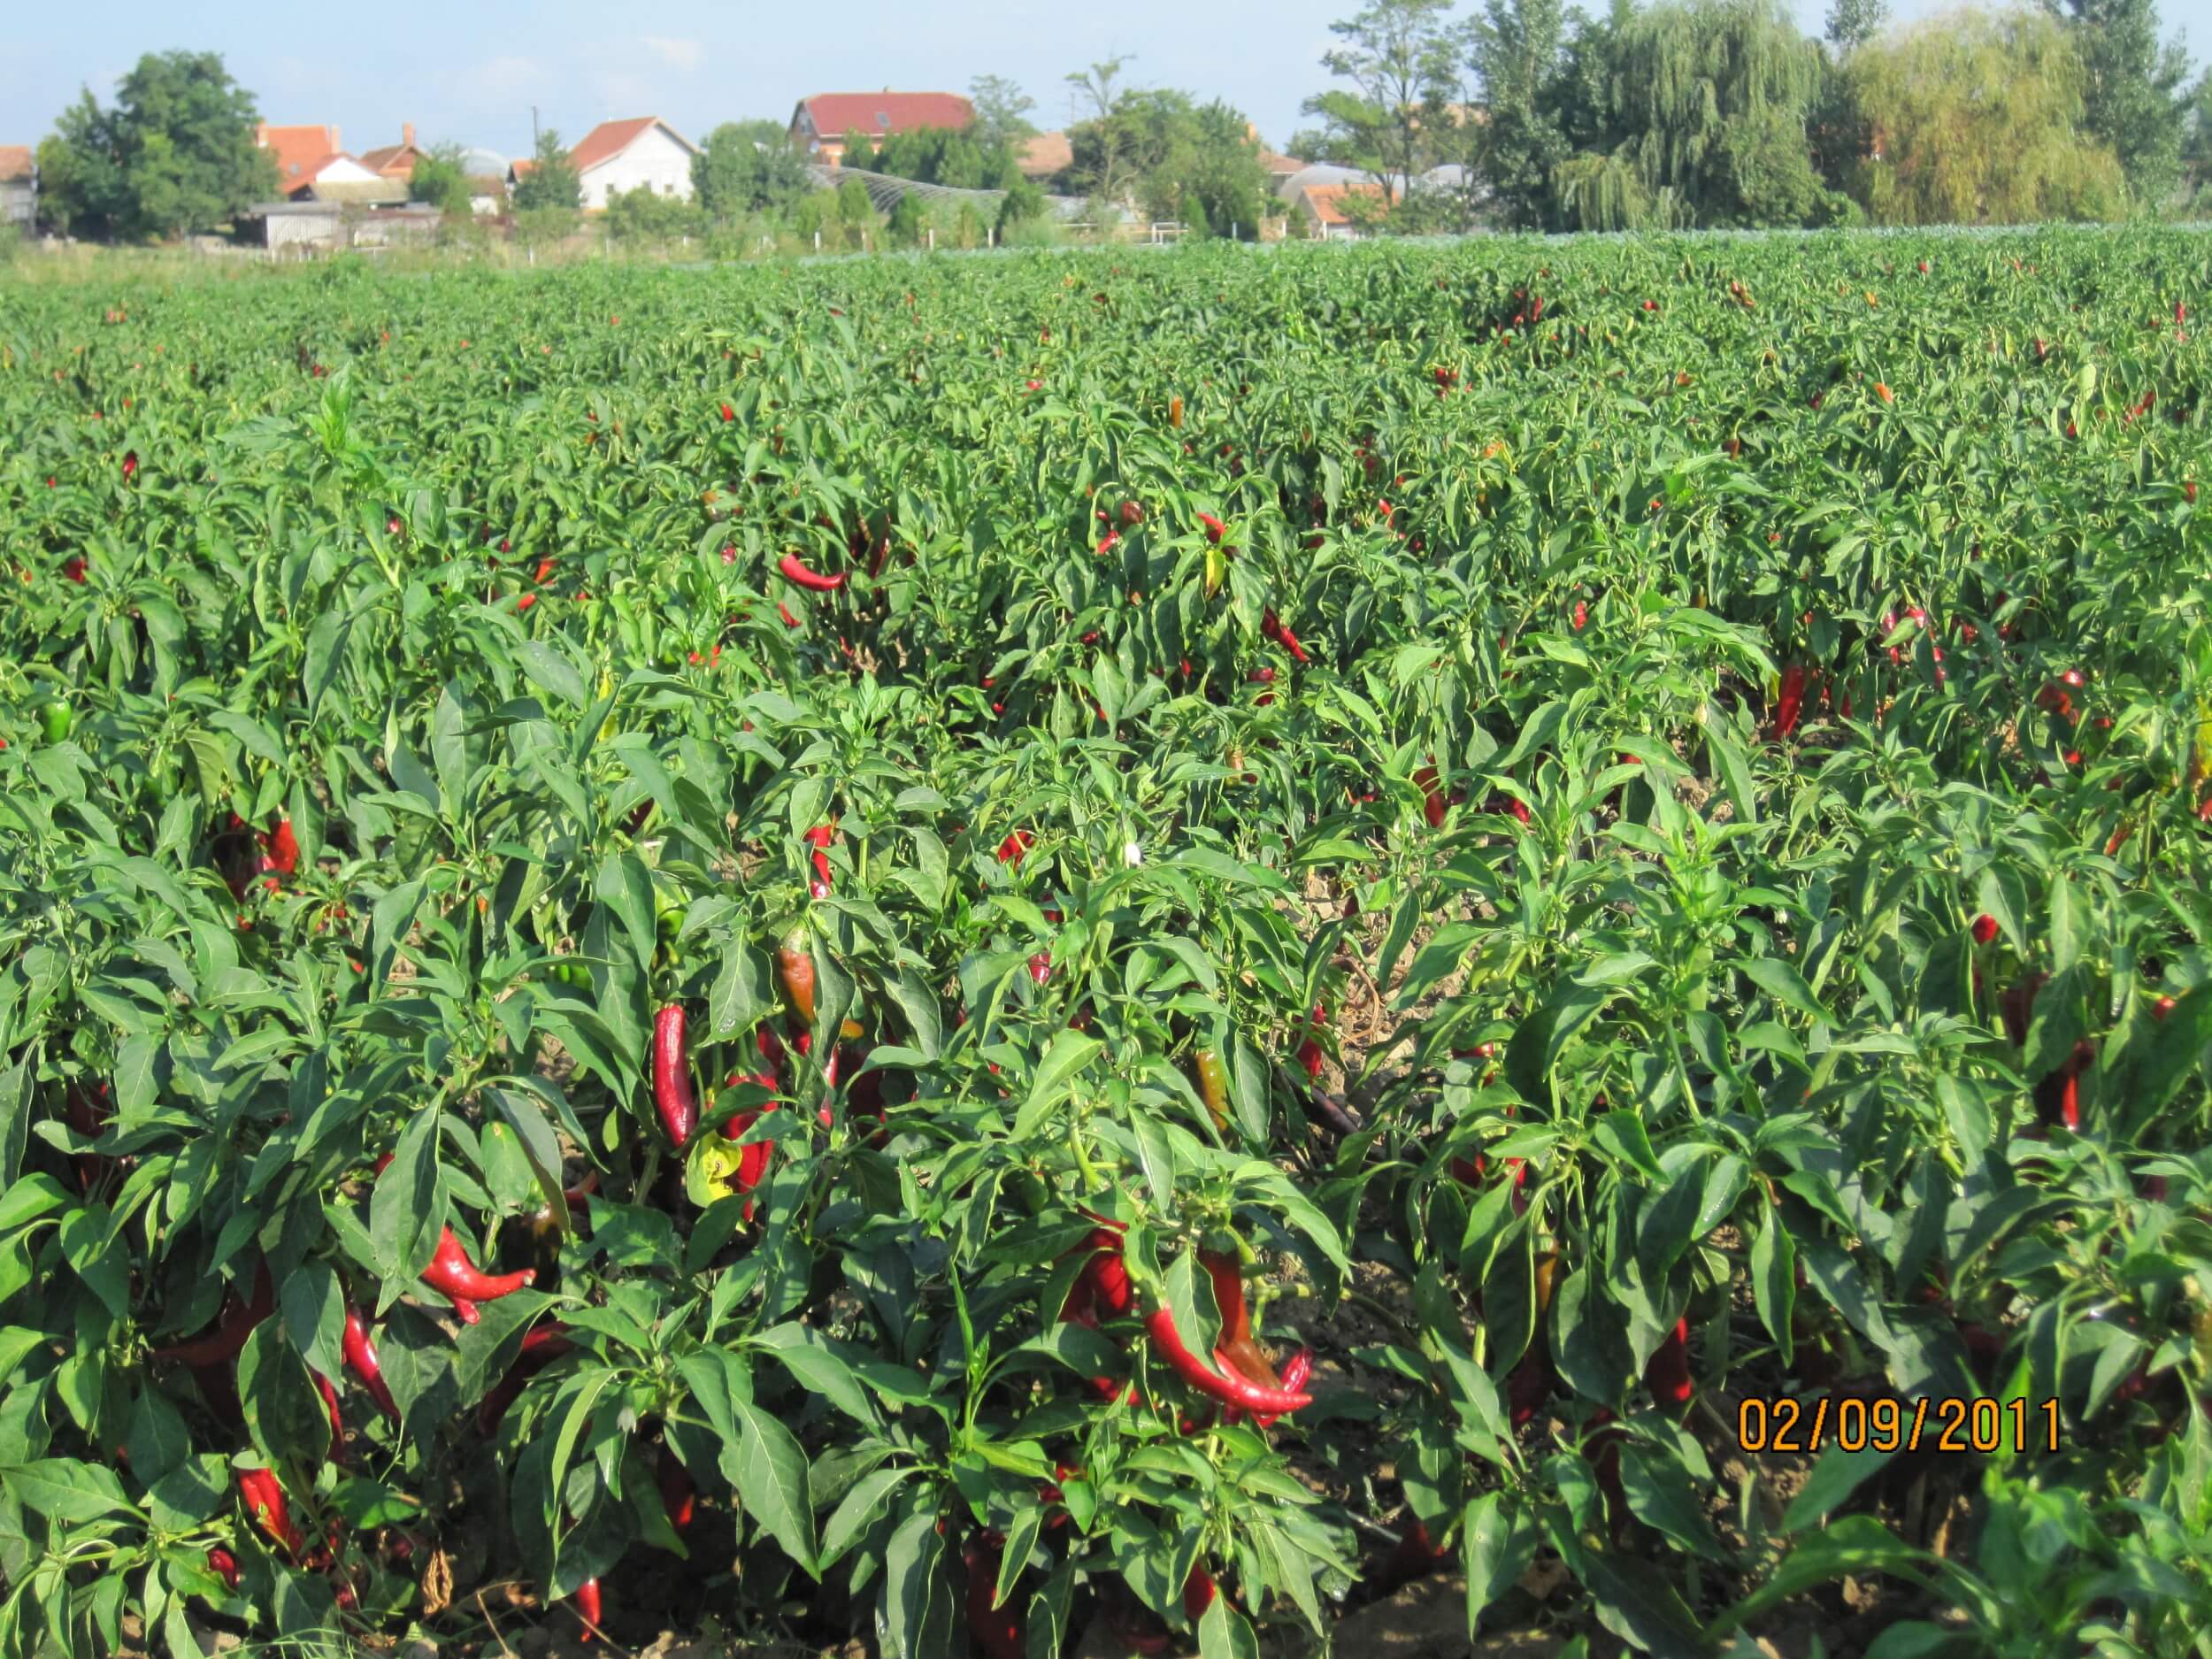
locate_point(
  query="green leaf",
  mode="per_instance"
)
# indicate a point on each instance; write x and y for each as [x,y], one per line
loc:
[771,1482]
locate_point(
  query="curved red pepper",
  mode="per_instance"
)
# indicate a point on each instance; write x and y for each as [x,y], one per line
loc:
[264,1503]
[1297,1372]
[463,1282]
[337,1423]
[224,1565]
[237,1325]
[1224,1384]
[362,1361]
[1271,627]
[795,568]
[672,1077]
[541,1347]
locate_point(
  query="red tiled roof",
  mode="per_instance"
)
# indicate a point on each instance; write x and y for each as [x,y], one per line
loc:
[1326,200]
[610,139]
[522,169]
[394,161]
[1046,154]
[875,113]
[1279,165]
[15,163]
[295,147]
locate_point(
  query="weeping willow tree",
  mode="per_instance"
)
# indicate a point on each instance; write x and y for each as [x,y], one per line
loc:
[1979,119]
[1709,100]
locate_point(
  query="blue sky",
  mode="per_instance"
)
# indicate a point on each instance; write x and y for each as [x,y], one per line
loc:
[471,71]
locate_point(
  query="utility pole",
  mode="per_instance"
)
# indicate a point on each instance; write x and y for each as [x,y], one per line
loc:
[534,129]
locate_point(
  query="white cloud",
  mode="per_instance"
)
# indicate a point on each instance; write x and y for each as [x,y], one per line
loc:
[677,54]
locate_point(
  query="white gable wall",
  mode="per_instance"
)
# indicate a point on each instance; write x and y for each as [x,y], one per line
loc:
[341,170]
[653,158]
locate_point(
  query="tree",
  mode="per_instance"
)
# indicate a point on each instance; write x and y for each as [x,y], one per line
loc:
[907,223]
[643,214]
[1976,119]
[2196,149]
[1851,23]
[1106,174]
[1400,56]
[1710,101]
[937,155]
[747,167]
[858,151]
[551,181]
[1023,204]
[440,181]
[1515,50]
[2133,93]
[1165,149]
[1000,105]
[175,154]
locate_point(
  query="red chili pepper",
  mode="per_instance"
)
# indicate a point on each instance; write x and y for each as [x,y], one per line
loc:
[1214,527]
[264,1503]
[998,1631]
[1010,849]
[1040,966]
[794,962]
[1297,1372]
[283,847]
[1792,700]
[677,1492]
[586,1598]
[237,1325]
[362,1361]
[337,1422]
[224,1565]
[671,1076]
[541,1347]
[463,1282]
[728,413]
[1230,1389]
[795,569]
[1312,1057]
[784,610]
[1984,928]
[1198,1593]
[1433,802]
[1667,1374]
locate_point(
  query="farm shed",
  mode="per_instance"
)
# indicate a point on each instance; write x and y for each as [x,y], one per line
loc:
[18,186]
[307,225]
[819,124]
[619,155]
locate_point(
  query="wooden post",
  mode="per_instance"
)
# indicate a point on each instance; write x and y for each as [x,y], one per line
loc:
[933,239]
[990,235]
[818,242]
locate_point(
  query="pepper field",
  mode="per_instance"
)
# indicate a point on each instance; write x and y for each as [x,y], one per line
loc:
[1140,950]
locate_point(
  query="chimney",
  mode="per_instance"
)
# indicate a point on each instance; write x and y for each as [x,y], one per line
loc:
[407,135]
[334,145]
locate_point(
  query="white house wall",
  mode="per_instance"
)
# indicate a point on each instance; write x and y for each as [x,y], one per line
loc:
[653,158]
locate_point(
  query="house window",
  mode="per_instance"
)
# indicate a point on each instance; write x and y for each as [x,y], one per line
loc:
[883,120]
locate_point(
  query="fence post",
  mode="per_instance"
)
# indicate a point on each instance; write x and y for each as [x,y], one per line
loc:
[818,242]
[933,239]
[1233,230]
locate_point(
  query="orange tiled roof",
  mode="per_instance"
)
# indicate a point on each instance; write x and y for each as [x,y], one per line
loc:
[295,148]
[15,163]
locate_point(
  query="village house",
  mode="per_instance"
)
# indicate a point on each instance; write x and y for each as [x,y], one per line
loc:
[486,170]
[18,186]
[617,156]
[819,124]
[1322,207]
[1044,157]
